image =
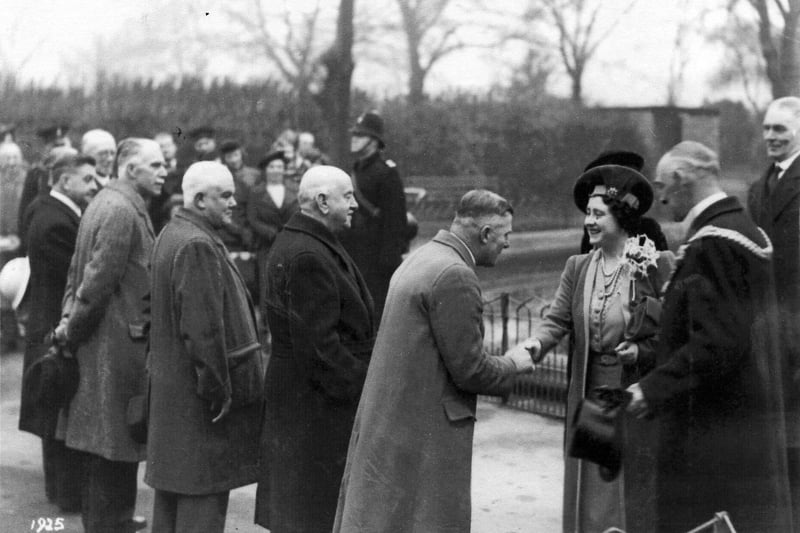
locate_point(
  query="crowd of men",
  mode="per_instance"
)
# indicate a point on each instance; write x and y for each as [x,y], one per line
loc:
[361,417]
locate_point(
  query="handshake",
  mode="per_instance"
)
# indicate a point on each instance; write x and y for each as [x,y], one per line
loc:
[525,354]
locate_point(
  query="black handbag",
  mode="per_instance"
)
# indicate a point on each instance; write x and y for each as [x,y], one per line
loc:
[596,433]
[52,380]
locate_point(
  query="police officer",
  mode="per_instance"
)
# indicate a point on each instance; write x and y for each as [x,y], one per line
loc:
[377,237]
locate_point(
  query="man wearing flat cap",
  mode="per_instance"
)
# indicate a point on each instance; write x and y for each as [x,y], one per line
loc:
[716,389]
[377,239]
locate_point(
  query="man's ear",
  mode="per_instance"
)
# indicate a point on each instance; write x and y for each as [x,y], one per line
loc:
[199,200]
[322,202]
[484,233]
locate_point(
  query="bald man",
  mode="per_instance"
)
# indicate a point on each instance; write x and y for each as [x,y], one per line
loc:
[101,146]
[715,392]
[206,371]
[322,321]
[105,313]
[774,204]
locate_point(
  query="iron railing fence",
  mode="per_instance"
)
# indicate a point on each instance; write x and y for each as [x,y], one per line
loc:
[508,322]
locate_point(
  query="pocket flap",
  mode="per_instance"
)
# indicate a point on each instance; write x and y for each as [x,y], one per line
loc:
[456,409]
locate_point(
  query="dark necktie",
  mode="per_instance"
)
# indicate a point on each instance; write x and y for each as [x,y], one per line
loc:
[772,179]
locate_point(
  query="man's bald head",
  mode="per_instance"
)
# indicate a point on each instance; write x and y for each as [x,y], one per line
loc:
[326,194]
[685,175]
[208,190]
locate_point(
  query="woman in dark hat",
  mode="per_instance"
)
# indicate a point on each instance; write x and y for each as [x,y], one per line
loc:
[597,302]
[647,225]
[269,207]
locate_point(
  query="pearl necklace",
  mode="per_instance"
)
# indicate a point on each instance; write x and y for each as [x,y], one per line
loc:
[609,285]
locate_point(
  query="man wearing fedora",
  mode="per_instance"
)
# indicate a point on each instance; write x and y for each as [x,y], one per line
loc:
[376,240]
[715,391]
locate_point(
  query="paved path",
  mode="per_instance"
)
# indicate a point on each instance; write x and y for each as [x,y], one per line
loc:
[516,488]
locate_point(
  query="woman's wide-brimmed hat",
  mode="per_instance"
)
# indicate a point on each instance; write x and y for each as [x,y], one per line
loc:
[623,158]
[616,182]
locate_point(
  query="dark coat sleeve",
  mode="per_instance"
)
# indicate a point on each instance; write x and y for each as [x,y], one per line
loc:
[392,203]
[198,287]
[314,300]
[717,322]
[456,315]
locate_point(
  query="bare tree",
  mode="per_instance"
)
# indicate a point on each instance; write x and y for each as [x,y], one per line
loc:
[430,36]
[779,50]
[289,42]
[742,65]
[579,35]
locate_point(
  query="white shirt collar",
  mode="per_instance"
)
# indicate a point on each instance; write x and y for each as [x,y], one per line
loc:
[102,180]
[701,206]
[465,246]
[784,165]
[66,200]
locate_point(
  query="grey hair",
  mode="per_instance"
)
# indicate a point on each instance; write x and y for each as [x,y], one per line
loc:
[692,156]
[790,103]
[126,150]
[479,203]
[199,177]
[95,137]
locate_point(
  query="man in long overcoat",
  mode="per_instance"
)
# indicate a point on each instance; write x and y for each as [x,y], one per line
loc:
[377,238]
[321,317]
[716,389]
[774,204]
[410,459]
[106,317]
[51,242]
[204,419]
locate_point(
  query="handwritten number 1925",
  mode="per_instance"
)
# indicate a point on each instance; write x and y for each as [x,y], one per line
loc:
[47,524]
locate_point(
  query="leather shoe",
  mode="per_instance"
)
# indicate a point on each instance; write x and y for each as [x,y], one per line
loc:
[139,523]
